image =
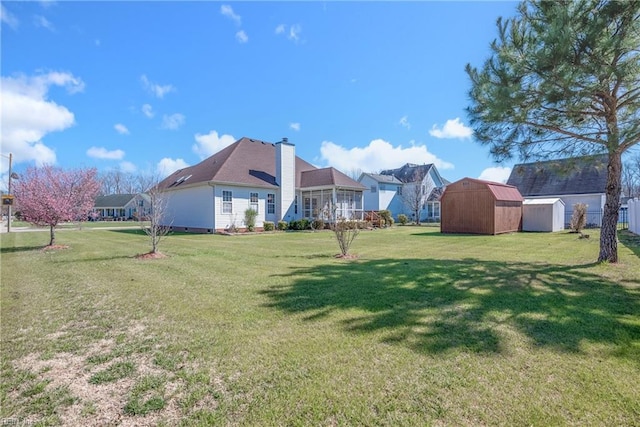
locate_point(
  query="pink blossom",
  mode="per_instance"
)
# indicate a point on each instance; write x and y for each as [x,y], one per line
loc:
[49,195]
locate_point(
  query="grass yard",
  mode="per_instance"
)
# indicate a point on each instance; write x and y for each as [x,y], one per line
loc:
[271,329]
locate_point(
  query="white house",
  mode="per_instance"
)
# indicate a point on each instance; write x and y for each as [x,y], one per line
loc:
[398,190]
[268,178]
[579,180]
[121,206]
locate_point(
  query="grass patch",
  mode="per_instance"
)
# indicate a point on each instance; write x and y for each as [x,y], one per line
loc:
[146,396]
[115,372]
[270,329]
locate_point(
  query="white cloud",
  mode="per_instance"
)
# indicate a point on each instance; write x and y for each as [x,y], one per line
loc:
[103,153]
[294,32]
[121,129]
[168,166]
[404,122]
[294,126]
[128,167]
[8,18]
[28,115]
[378,155]
[242,37]
[47,3]
[172,122]
[211,143]
[41,21]
[158,90]
[452,129]
[227,11]
[147,110]
[496,174]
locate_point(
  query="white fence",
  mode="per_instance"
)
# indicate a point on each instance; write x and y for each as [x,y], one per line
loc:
[634,215]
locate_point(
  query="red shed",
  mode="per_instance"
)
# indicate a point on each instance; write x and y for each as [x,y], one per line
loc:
[480,207]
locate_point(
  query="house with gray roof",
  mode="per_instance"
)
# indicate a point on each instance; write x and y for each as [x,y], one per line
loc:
[399,190]
[121,207]
[269,178]
[575,180]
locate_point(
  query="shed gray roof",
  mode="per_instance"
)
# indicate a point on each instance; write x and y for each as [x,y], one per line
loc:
[583,175]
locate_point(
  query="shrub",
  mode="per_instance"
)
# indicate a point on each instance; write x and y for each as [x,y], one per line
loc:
[346,232]
[317,224]
[301,224]
[268,226]
[250,219]
[403,219]
[283,225]
[578,218]
[386,215]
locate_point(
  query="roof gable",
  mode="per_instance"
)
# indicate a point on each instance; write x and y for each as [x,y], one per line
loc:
[583,175]
[383,179]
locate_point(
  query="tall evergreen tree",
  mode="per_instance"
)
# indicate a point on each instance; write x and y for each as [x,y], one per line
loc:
[563,80]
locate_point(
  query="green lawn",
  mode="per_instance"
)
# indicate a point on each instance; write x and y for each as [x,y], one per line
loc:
[272,329]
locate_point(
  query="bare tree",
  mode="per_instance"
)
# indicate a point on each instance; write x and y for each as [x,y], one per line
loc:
[354,173]
[345,230]
[153,218]
[415,192]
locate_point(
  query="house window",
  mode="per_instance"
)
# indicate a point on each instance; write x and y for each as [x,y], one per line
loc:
[271,203]
[399,191]
[295,205]
[253,201]
[374,188]
[383,187]
[227,204]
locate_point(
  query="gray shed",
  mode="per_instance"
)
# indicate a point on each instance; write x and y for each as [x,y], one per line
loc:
[543,214]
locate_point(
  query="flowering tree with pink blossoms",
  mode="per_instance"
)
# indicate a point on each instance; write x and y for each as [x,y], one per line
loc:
[49,195]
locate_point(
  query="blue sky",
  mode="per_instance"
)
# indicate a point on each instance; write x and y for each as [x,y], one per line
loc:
[150,87]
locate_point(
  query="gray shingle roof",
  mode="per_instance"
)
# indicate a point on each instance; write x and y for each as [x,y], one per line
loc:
[248,162]
[409,172]
[583,175]
[113,200]
[328,177]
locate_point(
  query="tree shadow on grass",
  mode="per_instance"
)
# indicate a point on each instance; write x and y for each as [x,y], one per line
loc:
[433,306]
[13,249]
[630,240]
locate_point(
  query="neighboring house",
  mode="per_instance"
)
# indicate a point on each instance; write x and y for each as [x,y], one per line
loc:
[214,194]
[399,190]
[121,206]
[579,180]
[382,192]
